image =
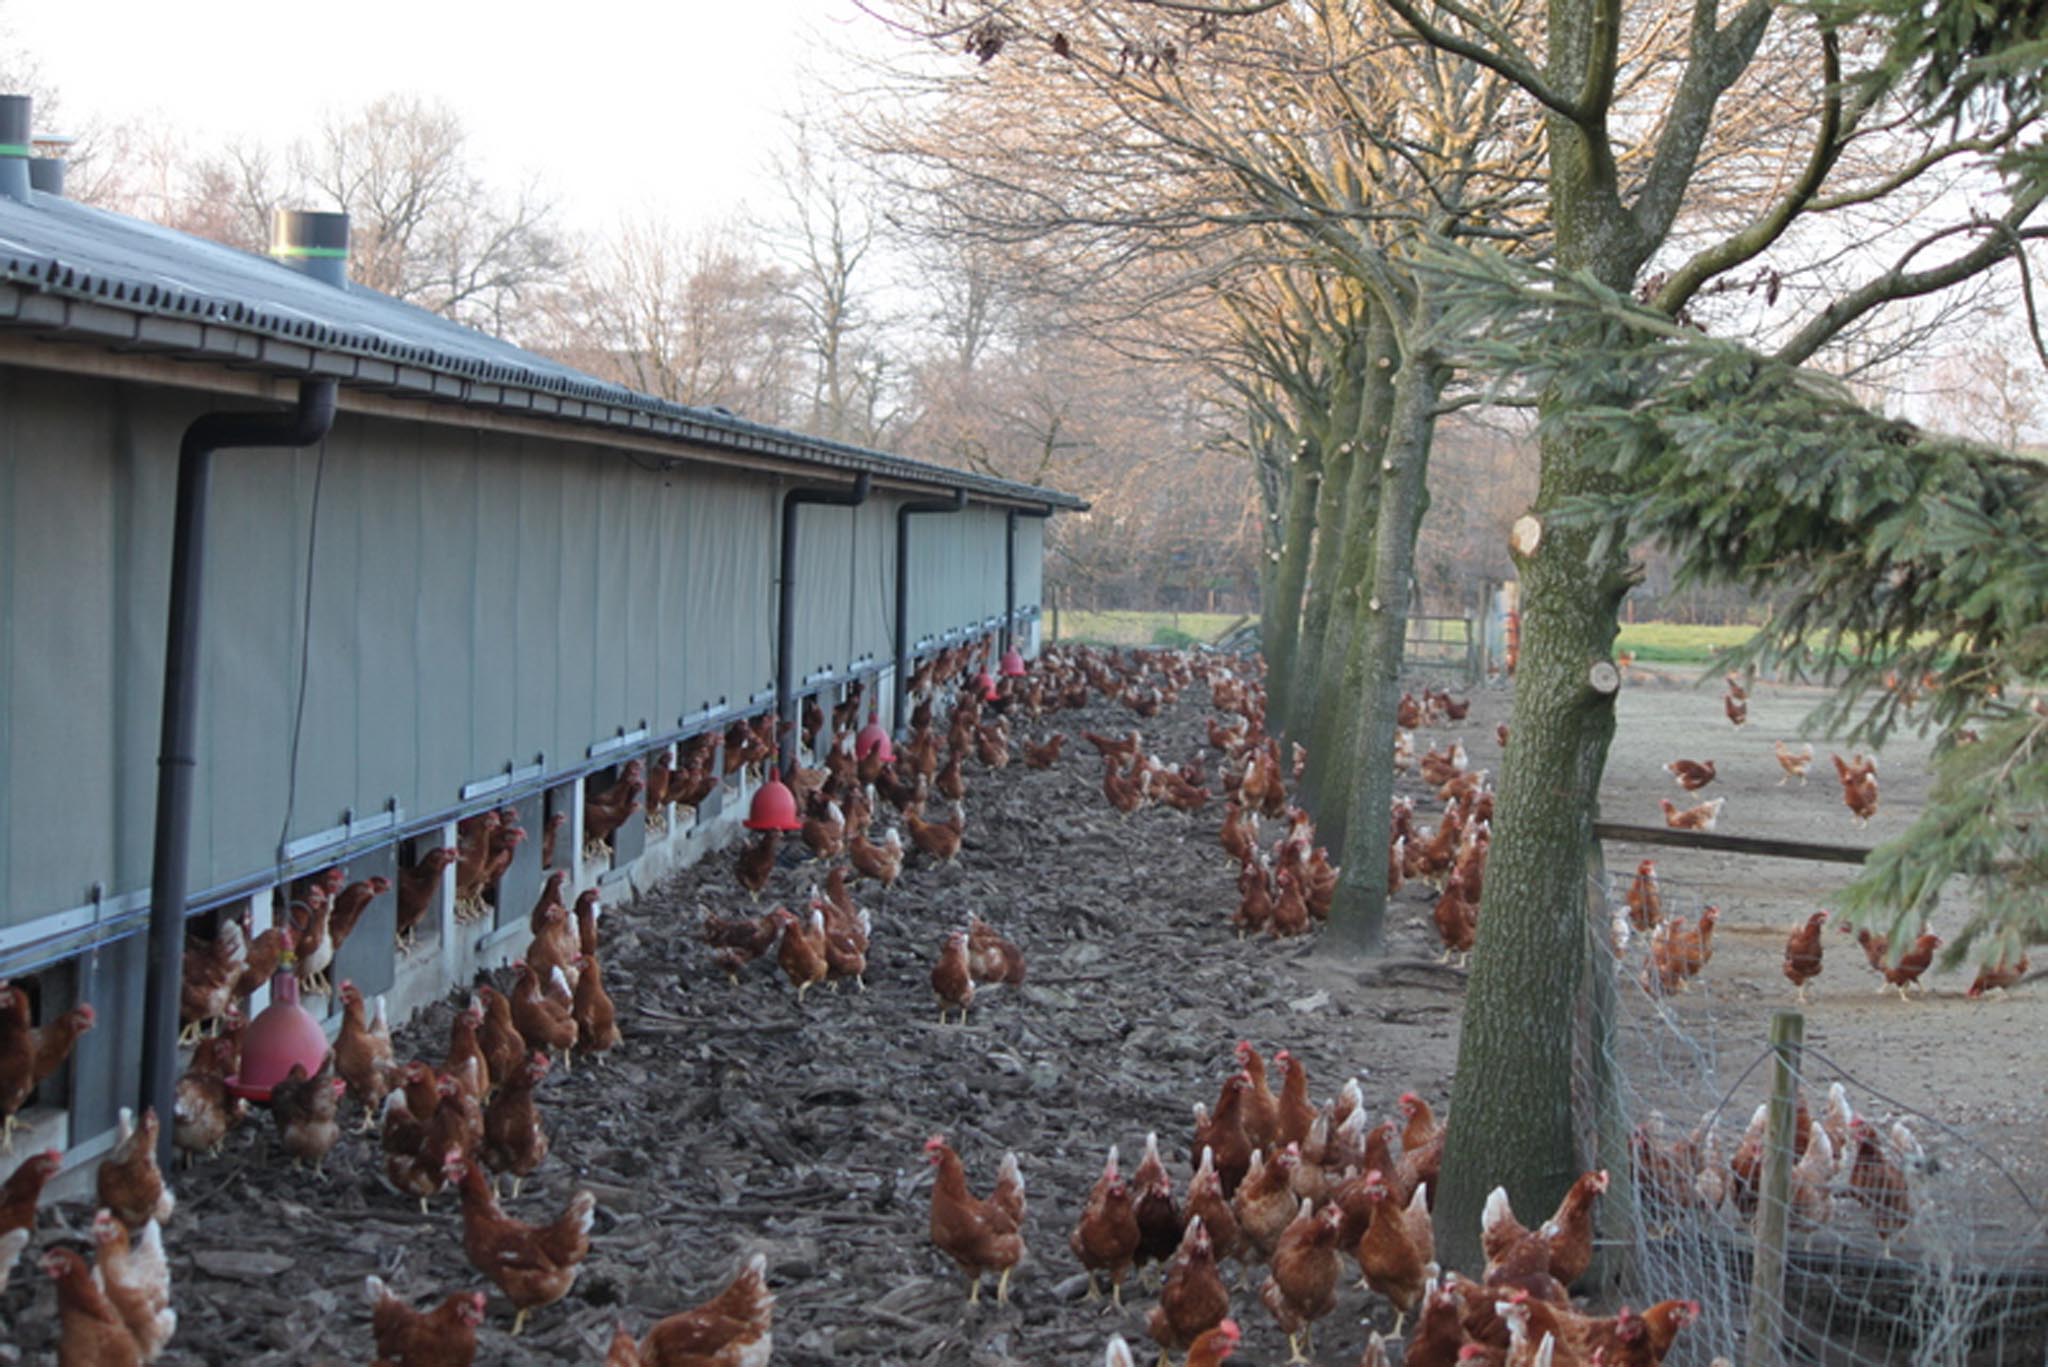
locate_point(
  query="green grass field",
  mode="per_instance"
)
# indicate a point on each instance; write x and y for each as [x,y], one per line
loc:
[1143,628]
[1669,643]
[1651,642]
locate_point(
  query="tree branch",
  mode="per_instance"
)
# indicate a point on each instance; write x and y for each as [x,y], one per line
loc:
[1500,64]
[1897,283]
[1718,59]
[1771,225]
[1596,95]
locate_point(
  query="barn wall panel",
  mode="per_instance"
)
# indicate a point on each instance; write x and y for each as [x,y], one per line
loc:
[56,677]
[389,523]
[733,520]
[822,634]
[647,696]
[496,667]
[757,504]
[326,649]
[576,619]
[543,665]
[148,423]
[870,579]
[985,550]
[445,619]
[937,559]
[609,544]
[1030,554]
[248,674]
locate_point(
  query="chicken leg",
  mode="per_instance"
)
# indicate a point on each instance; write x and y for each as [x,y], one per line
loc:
[1003,1287]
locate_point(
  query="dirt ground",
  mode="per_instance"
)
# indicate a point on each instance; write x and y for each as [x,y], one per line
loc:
[732,1122]
[1942,1055]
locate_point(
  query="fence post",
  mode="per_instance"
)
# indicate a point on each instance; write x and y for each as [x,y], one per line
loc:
[1767,1270]
[1474,669]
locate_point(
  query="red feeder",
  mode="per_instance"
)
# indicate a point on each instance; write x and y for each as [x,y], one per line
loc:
[985,686]
[283,1034]
[774,808]
[873,738]
[1013,663]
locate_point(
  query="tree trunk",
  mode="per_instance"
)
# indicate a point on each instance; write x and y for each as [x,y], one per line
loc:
[1515,1124]
[1281,620]
[1518,1119]
[1332,524]
[1358,915]
[1337,684]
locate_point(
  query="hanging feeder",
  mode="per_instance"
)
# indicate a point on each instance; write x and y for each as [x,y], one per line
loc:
[1013,663]
[774,808]
[985,686]
[284,1033]
[874,738]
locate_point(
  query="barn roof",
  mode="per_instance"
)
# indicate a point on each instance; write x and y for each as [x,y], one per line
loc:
[72,272]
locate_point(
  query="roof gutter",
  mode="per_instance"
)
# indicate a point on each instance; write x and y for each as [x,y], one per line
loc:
[308,423]
[904,513]
[785,602]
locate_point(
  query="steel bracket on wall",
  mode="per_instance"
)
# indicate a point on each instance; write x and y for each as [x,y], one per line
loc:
[348,832]
[622,741]
[513,776]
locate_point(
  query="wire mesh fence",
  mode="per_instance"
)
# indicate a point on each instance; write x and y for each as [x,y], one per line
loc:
[1906,1238]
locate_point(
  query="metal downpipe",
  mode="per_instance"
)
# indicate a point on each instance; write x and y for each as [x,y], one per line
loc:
[785,600]
[176,761]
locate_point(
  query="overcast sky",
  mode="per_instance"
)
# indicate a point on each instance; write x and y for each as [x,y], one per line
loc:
[621,108]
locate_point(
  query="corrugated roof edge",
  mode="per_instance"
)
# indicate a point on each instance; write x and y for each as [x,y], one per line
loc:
[103,263]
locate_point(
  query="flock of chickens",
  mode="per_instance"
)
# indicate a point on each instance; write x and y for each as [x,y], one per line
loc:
[1679,950]
[1291,1193]
[1836,1154]
[458,1123]
[1285,1190]
[1450,856]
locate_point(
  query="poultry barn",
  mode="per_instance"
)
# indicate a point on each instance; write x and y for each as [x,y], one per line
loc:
[490,607]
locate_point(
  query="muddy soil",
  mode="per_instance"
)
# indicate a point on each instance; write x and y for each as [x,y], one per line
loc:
[732,1122]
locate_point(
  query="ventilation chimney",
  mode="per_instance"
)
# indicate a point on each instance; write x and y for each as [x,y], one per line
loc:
[312,243]
[46,167]
[15,148]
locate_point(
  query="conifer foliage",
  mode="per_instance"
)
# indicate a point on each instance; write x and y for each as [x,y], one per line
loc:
[1907,571]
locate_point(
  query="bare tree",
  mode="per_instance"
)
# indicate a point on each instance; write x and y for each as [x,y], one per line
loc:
[695,319]
[425,227]
[830,235]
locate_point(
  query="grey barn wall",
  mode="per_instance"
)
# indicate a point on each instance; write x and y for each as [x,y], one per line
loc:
[956,569]
[479,598]
[1030,562]
[844,579]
